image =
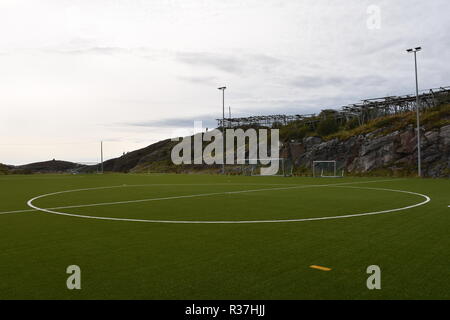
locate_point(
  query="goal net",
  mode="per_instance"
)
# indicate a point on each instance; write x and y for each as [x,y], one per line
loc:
[326,169]
[285,167]
[86,167]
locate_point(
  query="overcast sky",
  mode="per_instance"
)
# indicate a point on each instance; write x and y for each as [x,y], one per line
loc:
[133,72]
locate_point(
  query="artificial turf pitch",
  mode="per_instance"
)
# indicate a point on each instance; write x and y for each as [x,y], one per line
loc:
[146,260]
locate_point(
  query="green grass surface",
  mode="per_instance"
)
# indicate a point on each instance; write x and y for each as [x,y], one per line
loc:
[136,260]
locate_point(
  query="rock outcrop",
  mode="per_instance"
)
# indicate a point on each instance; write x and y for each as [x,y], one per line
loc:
[393,153]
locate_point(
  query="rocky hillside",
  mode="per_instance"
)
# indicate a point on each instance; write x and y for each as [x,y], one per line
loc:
[374,153]
[386,146]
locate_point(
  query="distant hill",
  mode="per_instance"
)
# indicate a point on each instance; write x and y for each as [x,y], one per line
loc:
[51,166]
[4,169]
[131,160]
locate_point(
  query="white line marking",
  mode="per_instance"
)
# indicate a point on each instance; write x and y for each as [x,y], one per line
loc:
[179,184]
[30,203]
[17,211]
[182,197]
[296,186]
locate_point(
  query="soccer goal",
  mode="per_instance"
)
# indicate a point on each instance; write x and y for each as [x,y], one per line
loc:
[285,167]
[326,169]
[86,167]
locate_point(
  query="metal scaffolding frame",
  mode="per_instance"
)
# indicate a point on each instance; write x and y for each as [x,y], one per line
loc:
[366,110]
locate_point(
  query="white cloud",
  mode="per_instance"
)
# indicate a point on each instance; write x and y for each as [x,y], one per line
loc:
[71,70]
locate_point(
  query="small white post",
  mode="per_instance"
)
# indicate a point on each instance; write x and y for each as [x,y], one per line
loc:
[101,154]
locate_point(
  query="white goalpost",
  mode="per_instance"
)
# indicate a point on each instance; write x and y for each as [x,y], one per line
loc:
[326,169]
[252,167]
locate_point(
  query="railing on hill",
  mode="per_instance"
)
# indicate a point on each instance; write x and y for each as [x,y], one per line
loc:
[364,111]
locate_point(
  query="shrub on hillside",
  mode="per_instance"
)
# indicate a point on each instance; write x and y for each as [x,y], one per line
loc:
[327,126]
[352,124]
[288,133]
[387,121]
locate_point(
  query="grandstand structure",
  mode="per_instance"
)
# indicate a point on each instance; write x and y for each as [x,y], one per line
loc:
[364,111]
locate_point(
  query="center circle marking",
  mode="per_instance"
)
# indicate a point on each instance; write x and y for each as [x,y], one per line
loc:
[53,211]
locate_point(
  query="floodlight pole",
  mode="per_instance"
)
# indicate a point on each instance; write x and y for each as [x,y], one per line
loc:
[223,125]
[419,155]
[101,154]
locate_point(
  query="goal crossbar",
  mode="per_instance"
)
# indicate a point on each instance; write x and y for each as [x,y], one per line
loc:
[334,169]
[285,168]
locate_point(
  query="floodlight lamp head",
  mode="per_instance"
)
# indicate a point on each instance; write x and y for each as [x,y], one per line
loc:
[417,49]
[222,88]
